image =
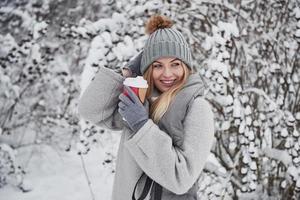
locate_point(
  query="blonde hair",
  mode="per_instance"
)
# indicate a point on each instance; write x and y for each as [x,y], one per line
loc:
[160,106]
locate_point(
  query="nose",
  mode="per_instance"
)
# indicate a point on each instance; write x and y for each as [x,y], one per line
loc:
[167,72]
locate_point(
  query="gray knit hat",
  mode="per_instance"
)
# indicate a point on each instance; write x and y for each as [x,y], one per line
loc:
[164,41]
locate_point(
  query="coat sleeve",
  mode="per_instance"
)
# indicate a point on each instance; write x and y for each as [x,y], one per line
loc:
[173,168]
[99,102]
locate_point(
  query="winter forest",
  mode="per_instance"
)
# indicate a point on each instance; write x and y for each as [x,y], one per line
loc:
[246,50]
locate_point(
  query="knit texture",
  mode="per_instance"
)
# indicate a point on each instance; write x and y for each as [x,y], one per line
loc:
[165,42]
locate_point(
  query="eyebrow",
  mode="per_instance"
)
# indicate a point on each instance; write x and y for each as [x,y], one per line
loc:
[170,61]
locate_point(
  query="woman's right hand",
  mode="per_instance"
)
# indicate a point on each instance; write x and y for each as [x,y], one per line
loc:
[133,111]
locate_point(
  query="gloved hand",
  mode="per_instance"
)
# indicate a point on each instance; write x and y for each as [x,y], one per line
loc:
[132,110]
[133,66]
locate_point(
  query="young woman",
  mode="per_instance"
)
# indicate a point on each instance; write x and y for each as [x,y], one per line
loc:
[165,141]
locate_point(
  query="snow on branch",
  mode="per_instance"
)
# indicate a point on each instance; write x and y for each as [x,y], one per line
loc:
[262,93]
[102,24]
[27,19]
[280,155]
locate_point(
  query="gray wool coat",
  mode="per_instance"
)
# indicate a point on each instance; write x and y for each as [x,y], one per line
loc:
[151,149]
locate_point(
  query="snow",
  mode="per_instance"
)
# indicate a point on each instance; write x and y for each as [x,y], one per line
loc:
[153,5]
[296,160]
[27,19]
[208,43]
[297,12]
[213,165]
[236,108]
[246,158]
[244,170]
[7,42]
[253,185]
[35,53]
[295,78]
[10,151]
[242,127]
[248,120]
[230,29]
[289,143]
[59,175]
[296,133]
[248,110]
[232,145]
[125,50]
[294,172]
[233,51]
[251,136]
[279,155]
[253,165]
[225,125]
[284,132]
[114,23]
[5,79]
[297,34]
[106,38]
[38,28]
[96,53]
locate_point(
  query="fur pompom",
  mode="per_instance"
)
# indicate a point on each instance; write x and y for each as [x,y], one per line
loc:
[156,22]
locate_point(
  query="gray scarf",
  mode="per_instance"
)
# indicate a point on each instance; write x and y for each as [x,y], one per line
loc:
[172,120]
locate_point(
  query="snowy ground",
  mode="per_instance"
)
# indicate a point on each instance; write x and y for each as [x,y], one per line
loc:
[60,175]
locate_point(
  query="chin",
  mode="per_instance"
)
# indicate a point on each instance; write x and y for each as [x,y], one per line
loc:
[163,89]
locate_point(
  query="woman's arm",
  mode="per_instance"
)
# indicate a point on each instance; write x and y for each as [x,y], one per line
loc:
[99,102]
[173,168]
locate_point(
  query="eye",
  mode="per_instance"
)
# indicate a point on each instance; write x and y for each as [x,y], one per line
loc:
[156,65]
[176,64]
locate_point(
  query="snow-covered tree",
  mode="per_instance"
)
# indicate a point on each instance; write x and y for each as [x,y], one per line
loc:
[248,52]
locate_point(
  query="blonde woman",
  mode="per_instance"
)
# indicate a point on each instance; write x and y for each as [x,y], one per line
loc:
[165,141]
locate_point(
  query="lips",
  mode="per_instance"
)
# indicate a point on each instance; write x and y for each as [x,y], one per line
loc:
[167,83]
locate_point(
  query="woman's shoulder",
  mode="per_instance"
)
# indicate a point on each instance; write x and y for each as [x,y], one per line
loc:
[201,101]
[199,105]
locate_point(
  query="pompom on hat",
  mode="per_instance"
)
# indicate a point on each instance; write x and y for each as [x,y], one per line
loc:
[164,41]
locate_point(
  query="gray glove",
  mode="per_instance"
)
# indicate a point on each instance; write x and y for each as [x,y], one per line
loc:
[134,65]
[132,110]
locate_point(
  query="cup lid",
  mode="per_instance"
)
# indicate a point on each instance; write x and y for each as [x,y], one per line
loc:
[138,82]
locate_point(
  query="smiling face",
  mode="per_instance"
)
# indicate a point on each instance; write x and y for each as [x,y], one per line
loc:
[167,72]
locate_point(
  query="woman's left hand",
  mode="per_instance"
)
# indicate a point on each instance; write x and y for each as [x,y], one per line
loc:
[126,72]
[132,68]
[132,110]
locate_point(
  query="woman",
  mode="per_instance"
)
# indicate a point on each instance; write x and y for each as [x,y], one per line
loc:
[168,138]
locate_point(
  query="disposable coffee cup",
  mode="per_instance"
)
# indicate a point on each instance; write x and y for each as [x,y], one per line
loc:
[139,86]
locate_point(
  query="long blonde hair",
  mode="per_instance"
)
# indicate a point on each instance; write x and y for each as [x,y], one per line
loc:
[160,106]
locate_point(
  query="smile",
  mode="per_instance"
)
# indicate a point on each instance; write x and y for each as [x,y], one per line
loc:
[167,82]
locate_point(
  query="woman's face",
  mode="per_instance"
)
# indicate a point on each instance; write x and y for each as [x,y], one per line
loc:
[167,72]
